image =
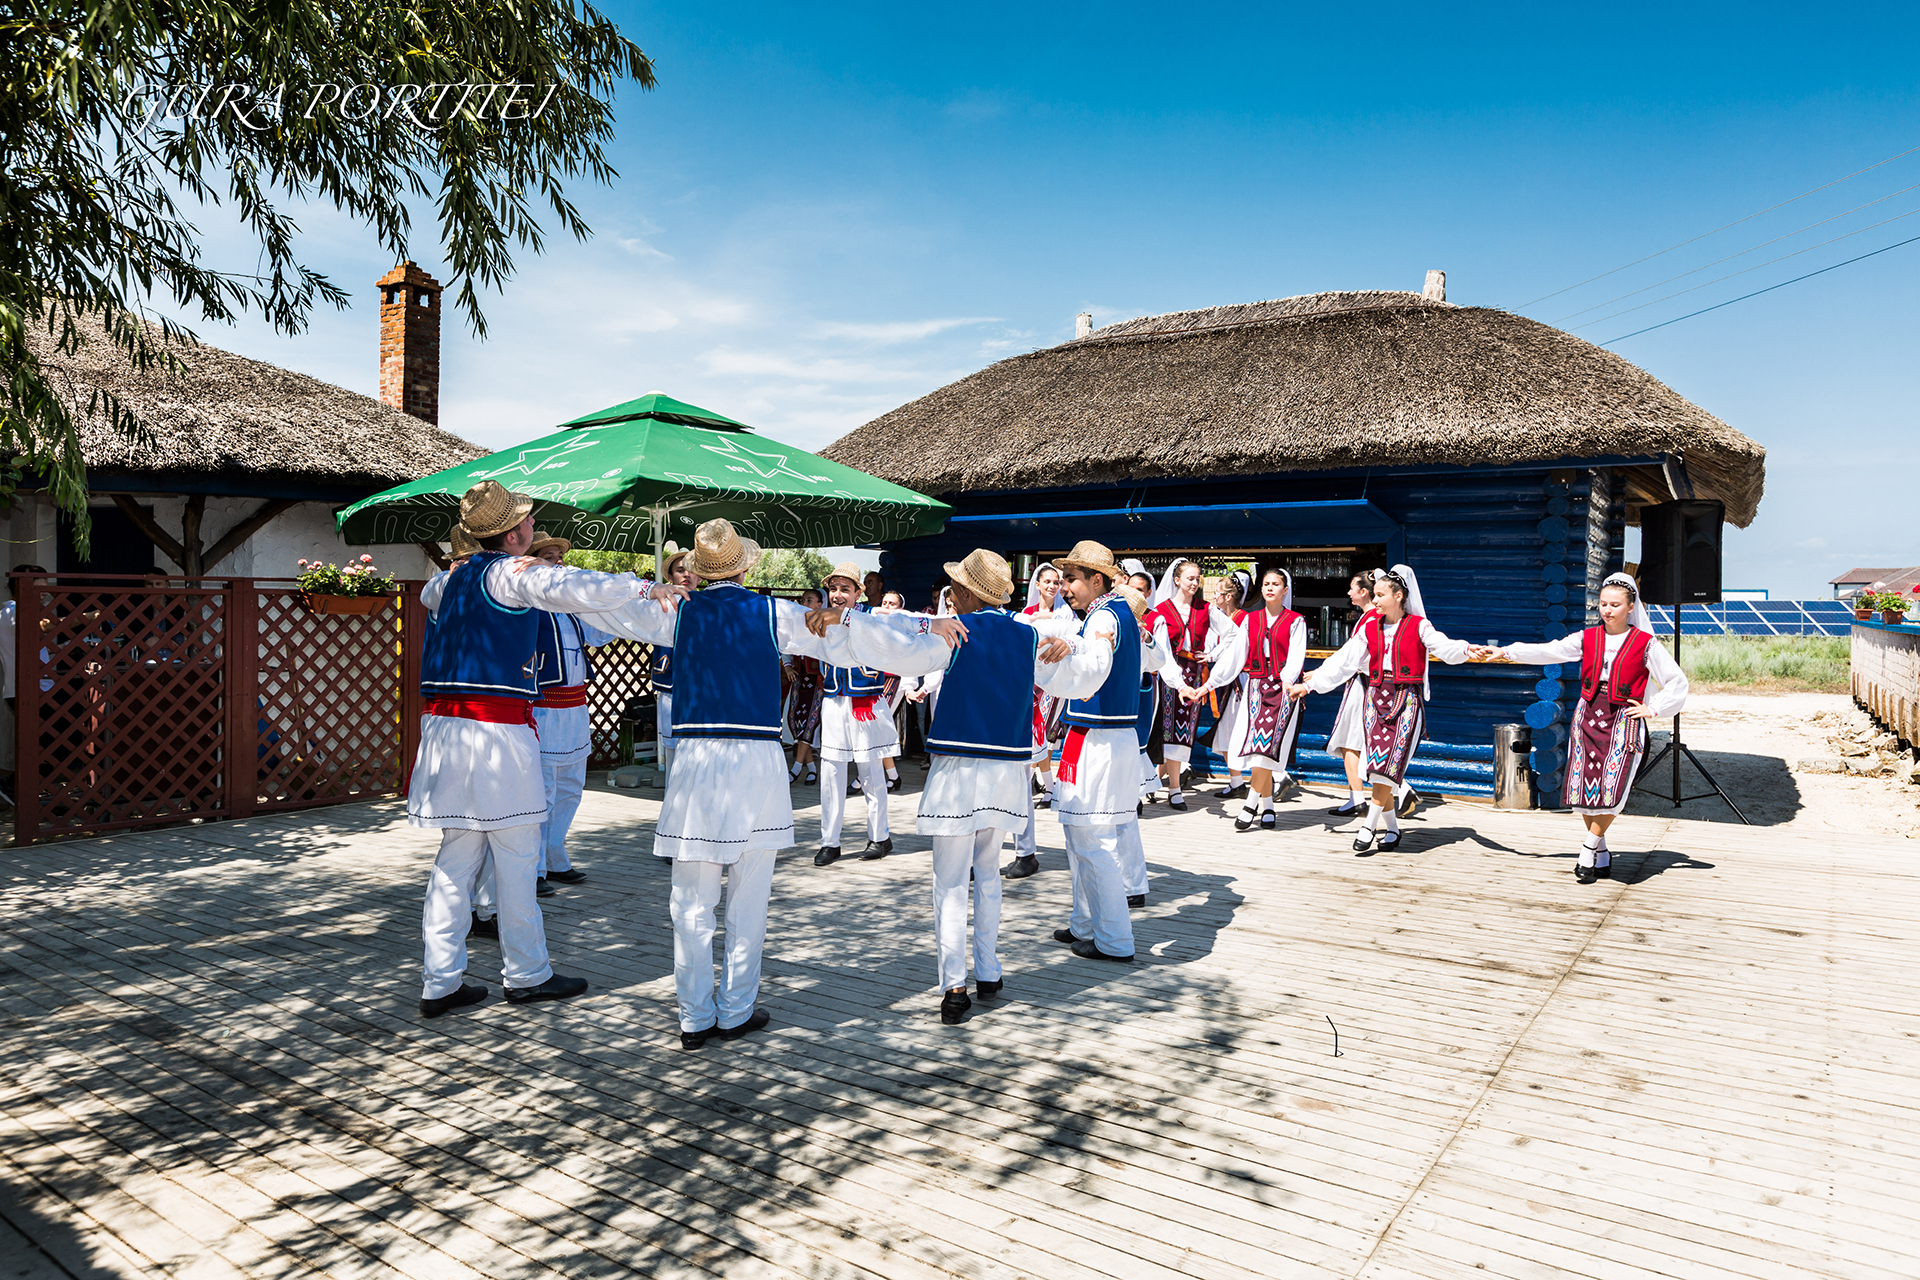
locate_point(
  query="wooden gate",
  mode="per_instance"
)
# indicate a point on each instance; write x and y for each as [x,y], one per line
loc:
[146,701]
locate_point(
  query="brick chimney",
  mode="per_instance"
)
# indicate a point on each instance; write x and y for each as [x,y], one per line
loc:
[1436,288]
[410,341]
[1083,325]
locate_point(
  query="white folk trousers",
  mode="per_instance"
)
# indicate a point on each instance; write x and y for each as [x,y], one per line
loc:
[1026,840]
[833,800]
[695,895]
[1099,890]
[515,854]
[565,784]
[953,858]
[1133,860]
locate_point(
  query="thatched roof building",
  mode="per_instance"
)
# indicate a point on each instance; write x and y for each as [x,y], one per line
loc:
[270,431]
[1323,382]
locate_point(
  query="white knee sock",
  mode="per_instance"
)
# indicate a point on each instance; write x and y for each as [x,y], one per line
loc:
[1266,802]
[1358,795]
[1391,818]
[1373,816]
[893,775]
[1589,851]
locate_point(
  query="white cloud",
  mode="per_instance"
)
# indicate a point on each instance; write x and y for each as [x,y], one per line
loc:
[897,330]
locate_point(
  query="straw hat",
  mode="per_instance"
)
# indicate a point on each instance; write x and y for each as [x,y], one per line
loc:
[1090,555]
[985,574]
[542,540]
[1135,598]
[845,569]
[462,543]
[489,509]
[720,552]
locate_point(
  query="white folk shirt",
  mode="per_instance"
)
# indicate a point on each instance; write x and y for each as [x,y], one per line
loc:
[1233,657]
[1351,658]
[1223,637]
[1666,686]
[566,733]
[476,775]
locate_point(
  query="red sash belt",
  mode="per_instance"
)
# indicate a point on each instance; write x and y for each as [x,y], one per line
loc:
[481,707]
[863,706]
[564,695]
[1069,770]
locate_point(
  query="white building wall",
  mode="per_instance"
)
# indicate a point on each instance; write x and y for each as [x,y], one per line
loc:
[304,531]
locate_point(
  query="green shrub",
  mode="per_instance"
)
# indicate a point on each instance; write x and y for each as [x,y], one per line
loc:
[1817,663]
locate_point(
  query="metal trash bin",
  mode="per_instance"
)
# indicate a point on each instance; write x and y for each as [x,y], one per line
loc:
[1512,779]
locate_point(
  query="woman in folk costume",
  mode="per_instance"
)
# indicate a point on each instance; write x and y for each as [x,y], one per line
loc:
[1260,721]
[1232,595]
[1347,742]
[1619,660]
[1196,636]
[660,668]
[1044,600]
[981,740]
[856,728]
[476,776]
[803,702]
[1390,650]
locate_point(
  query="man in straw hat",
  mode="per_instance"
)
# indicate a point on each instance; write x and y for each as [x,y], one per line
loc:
[477,774]
[727,810]
[856,728]
[982,745]
[1099,785]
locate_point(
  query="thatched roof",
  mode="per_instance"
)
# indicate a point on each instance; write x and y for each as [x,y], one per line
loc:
[231,415]
[1326,381]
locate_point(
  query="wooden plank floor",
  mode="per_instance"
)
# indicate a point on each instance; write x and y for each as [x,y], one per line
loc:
[210,1064]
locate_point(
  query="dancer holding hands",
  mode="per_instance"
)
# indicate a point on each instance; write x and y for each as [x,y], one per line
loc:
[1618,660]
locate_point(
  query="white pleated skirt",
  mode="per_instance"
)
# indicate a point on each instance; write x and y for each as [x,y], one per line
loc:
[474,775]
[1106,789]
[725,797]
[1350,725]
[566,734]
[964,795]
[844,738]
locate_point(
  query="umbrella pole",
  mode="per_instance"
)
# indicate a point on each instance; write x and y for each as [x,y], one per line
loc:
[659,541]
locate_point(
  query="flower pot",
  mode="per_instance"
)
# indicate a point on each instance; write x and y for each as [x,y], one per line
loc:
[317,603]
[1893,617]
[1863,615]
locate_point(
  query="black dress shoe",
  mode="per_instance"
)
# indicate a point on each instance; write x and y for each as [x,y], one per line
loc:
[1136,900]
[1022,867]
[1087,950]
[1409,803]
[1387,842]
[694,1039]
[469,993]
[1363,842]
[488,928]
[876,850]
[1139,808]
[1066,936]
[1603,873]
[1237,791]
[756,1020]
[988,990]
[572,875]
[541,889]
[826,855]
[1583,875]
[1269,820]
[554,988]
[953,1007]
[1177,800]
[1043,801]
[1244,822]
[1349,808]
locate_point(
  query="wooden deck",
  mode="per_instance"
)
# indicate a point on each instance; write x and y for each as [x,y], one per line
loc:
[210,1065]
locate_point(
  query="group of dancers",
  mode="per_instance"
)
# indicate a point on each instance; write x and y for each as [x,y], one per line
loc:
[1092,660]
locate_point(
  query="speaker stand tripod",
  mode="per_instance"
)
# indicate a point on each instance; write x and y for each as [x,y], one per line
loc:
[1676,748]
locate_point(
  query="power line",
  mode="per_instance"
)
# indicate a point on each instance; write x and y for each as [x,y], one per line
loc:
[1743,253]
[1677,293]
[1717,230]
[1757,292]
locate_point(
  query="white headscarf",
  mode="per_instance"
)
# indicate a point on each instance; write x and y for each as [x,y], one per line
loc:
[1164,592]
[1244,581]
[945,606]
[1639,617]
[1286,597]
[1033,591]
[1415,604]
[1133,566]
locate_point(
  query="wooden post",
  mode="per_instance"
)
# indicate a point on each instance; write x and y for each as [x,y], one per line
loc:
[26,714]
[413,635]
[240,677]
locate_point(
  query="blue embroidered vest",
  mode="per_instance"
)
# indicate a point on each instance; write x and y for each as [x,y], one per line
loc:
[989,714]
[854,682]
[478,645]
[1116,704]
[660,668]
[729,685]
[552,653]
[1149,703]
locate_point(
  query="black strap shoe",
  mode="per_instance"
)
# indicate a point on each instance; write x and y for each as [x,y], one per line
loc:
[1087,950]
[1387,842]
[954,1006]
[756,1020]
[1022,867]
[1603,873]
[826,855]
[469,993]
[541,889]
[1350,808]
[1136,900]
[1238,791]
[488,928]
[876,850]
[893,784]
[554,988]
[1409,803]
[1244,822]
[1269,820]
[572,875]
[1363,842]
[1584,875]
[988,990]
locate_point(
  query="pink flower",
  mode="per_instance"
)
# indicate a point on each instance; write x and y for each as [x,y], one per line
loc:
[303,562]
[366,559]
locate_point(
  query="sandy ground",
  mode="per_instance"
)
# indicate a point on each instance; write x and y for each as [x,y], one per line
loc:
[1750,743]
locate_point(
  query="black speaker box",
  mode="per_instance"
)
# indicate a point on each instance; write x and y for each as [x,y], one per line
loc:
[1680,552]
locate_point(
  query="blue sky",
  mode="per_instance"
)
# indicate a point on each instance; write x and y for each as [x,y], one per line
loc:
[824,212]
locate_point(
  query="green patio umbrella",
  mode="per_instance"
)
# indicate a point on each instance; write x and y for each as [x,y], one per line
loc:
[631,477]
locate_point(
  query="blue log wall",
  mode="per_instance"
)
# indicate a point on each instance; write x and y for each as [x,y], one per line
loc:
[1514,553]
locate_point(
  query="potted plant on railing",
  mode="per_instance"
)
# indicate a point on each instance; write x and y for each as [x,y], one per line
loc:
[1890,605]
[354,587]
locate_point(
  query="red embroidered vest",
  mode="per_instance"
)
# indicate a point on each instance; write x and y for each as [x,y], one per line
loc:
[1409,652]
[1268,642]
[1627,682]
[1189,638]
